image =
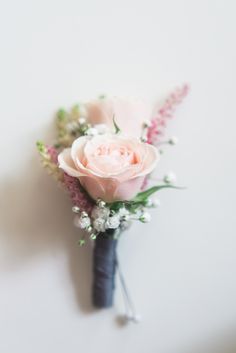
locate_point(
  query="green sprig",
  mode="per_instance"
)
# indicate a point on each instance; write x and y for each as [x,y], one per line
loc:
[141,198]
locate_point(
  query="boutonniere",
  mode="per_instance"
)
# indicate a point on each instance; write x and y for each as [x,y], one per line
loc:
[104,154]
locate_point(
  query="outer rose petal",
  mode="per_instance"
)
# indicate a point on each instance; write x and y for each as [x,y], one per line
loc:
[99,188]
[128,189]
[93,187]
[66,163]
[128,113]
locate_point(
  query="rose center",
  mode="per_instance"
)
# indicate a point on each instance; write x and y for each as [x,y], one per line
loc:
[111,158]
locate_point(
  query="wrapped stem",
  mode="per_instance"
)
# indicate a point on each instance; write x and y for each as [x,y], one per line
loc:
[104,268]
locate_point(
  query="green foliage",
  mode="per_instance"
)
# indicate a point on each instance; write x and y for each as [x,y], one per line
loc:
[140,199]
[144,195]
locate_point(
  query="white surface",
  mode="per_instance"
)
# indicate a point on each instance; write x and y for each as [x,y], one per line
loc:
[181,267]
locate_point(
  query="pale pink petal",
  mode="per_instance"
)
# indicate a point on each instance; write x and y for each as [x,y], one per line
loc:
[66,163]
[129,114]
[128,189]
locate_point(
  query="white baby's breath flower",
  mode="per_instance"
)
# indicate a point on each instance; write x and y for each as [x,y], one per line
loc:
[145,217]
[147,123]
[113,222]
[75,209]
[138,212]
[123,212]
[148,203]
[170,178]
[173,140]
[100,212]
[152,203]
[91,131]
[101,203]
[99,224]
[82,222]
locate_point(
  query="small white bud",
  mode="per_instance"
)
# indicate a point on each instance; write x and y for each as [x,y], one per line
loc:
[173,140]
[170,178]
[144,139]
[146,123]
[149,203]
[91,131]
[101,203]
[75,209]
[145,217]
[156,203]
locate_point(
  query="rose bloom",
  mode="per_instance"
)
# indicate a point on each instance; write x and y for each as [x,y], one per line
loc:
[109,167]
[129,114]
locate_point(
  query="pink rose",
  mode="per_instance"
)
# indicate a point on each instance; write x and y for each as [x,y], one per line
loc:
[109,167]
[129,114]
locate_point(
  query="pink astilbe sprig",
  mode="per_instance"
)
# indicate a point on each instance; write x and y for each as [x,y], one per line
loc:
[165,112]
[78,196]
[53,154]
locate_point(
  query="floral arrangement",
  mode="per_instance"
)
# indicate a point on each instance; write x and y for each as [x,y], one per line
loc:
[104,154]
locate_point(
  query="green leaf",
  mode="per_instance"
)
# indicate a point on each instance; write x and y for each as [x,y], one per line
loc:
[144,195]
[117,129]
[140,198]
[116,205]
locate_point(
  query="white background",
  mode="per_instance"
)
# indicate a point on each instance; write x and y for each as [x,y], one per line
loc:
[181,267]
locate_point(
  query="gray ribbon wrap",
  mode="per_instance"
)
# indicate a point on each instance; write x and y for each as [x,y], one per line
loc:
[104,269]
